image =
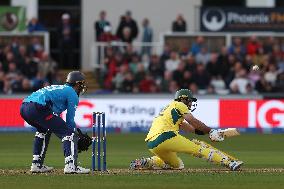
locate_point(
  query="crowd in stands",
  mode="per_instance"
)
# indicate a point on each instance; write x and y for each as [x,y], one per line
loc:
[228,70]
[25,67]
[223,71]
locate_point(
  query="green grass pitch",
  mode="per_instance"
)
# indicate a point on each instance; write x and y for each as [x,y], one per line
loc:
[263,156]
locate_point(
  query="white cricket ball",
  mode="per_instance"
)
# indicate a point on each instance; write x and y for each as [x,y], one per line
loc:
[255,68]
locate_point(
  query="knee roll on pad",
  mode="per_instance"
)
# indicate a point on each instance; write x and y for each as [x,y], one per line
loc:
[40,135]
[68,138]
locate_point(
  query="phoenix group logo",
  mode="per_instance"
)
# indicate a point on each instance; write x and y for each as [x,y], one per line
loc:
[213,19]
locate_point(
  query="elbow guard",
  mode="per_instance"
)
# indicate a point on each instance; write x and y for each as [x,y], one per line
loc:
[198,132]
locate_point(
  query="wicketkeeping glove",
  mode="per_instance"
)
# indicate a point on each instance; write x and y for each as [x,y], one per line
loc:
[84,141]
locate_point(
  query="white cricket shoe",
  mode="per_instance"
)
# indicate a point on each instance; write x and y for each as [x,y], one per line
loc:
[235,165]
[37,168]
[71,169]
[82,170]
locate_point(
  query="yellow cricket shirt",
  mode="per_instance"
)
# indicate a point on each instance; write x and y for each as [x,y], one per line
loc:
[169,119]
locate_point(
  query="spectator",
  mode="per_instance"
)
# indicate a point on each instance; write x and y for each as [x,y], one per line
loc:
[268,45]
[213,66]
[173,86]
[119,77]
[9,58]
[16,84]
[113,64]
[66,42]
[218,83]
[127,26]
[179,25]
[178,73]
[235,69]
[15,45]
[187,79]
[165,84]
[250,89]
[201,77]
[210,90]
[30,68]
[253,77]
[26,85]
[172,63]
[280,82]
[239,83]
[38,82]
[129,52]
[35,48]
[101,24]
[197,45]
[147,36]
[47,66]
[271,75]
[165,54]
[126,35]
[252,45]
[262,86]
[127,85]
[35,26]
[20,60]
[257,59]
[248,62]
[13,78]
[107,36]
[237,47]
[194,88]
[190,63]
[147,84]
[156,68]
[280,63]
[58,78]
[2,81]
[134,63]
[203,57]
[223,61]
[140,74]
[277,52]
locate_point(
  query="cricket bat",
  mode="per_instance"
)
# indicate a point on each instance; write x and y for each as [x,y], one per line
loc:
[230,132]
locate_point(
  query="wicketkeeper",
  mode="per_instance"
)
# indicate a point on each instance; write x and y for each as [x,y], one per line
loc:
[42,110]
[164,140]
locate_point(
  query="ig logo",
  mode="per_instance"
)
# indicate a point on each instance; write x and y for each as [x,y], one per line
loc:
[213,19]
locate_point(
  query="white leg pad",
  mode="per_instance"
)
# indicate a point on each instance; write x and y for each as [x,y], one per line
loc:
[68,159]
[36,157]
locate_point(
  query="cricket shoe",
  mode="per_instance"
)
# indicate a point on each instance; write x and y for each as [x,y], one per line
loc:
[72,169]
[37,168]
[143,163]
[235,165]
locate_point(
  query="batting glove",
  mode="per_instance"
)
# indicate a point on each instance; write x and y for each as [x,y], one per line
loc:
[216,135]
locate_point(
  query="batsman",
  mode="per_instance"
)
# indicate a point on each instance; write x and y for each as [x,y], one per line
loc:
[164,140]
